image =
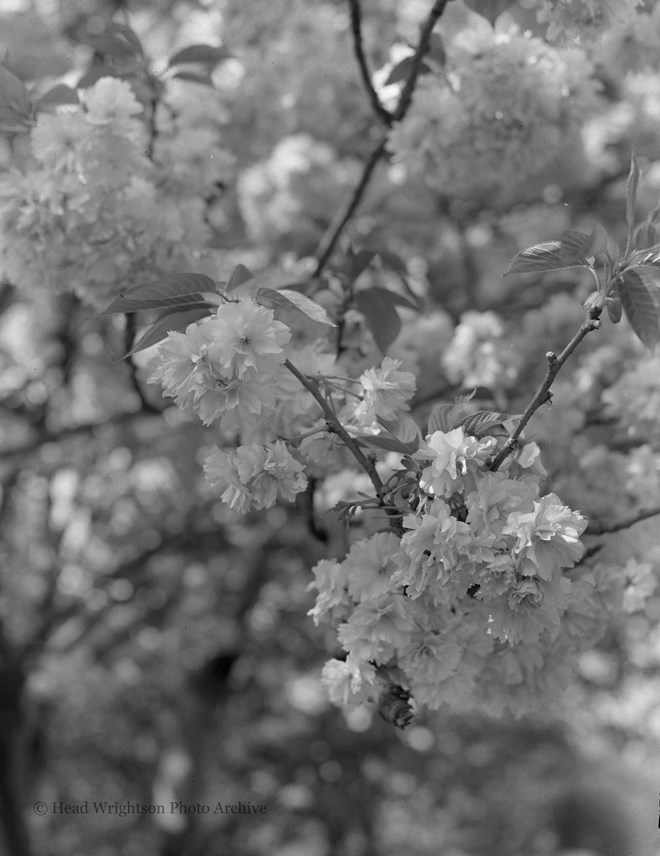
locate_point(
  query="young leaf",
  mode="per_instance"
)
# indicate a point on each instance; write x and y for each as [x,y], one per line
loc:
[489,9]
[59,94]
[238,276]
[15,104]
[377,306]
[128,33]
[405,429]
[481,423]
[436,51]
[191,77]
[401,70]
[550,255]
[108,44]
[205,54]
[168,321]
[645,237]
[181,289]
[287,299]
[642,307]
[444,417]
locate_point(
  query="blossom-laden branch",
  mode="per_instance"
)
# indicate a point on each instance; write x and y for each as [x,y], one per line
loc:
[356,26]
[543,394]
[335,426]
[329,240]
[595,528]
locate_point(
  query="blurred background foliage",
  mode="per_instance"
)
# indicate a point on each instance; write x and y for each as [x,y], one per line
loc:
[153,648]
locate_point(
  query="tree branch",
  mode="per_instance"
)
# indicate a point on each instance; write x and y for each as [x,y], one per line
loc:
[356,26]
[335,426]
[131,327]
[595,528]
[329,240]
[543,394]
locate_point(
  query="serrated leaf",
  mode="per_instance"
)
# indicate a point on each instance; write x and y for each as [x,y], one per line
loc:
[16,109]
[479,424]
[579,245]
[444,417]
[58,95]
[287,299]
[109,44]
[238,276]
[169,321]
[489,9]
[401,70]
[645,237]
[549,255]
[181,289]
[405,429]
[205,54]
[378,307]
[641,306]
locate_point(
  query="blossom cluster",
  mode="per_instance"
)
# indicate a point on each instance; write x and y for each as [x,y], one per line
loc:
[584,19]
[86,203]
[469,604]
[510,105]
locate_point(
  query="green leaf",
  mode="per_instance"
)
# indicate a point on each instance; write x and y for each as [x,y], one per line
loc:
[645,237]
[445,417]
[205,54]
[489,9]
[191,77]
[405,429]
[16,109]
[181,289]
[378,307]
[111,45]
[614,309]
[641,304]
[550,255]
[238,276]
[287,299]
[59,94]
[168,321]
[436,51]
[401,70]
[481,423]
[128,33]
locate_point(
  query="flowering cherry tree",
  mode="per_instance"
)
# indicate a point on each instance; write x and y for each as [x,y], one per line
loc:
[469,574]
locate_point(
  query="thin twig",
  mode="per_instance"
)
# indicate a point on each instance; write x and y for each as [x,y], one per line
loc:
[543,394]
[595,528]
[335,426]
[131,327]
[329,240]
[358,44]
